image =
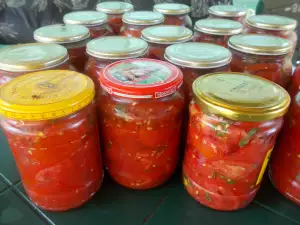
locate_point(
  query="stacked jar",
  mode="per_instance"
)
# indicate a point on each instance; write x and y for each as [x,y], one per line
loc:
[230,12]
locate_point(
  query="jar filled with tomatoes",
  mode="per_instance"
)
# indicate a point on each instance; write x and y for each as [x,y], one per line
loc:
[140,114]
[262,55]
[175,14]
[110,49]
[96,22]
[230,12]
[161,36]
[73,37]
[216,31]
[135,22]
[49,119]
[25,58]
[115,11]
[233,124]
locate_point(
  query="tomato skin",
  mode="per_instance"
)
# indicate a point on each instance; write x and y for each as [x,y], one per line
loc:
[100,31]
[115,22]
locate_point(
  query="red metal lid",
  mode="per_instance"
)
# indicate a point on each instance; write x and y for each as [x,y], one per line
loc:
[141,78]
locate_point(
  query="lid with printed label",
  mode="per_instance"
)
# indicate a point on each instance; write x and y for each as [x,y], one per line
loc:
[85,18]
[141,78]
[114,7]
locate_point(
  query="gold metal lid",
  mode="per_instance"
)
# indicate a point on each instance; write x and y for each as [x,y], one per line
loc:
[117,47]
[32,57]
[85,18]
[114,7]
[61,33]
[240,97]
[227,10]
[167,34]
[198,55]
[171,8]
[219,26]
[260,44]
[143,18]
[272,22]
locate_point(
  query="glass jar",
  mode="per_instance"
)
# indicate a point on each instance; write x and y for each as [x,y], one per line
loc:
[230,12]
[110,49]
[73,37]
[140,114]
[216,31]
[161,36]
[49,119]
[175,14]
[21,59]
[96,22]
[135,22]
[234,121]
[262,55]
[115,11]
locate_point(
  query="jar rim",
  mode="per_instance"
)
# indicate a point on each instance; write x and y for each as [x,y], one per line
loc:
[85,18]
[114,7]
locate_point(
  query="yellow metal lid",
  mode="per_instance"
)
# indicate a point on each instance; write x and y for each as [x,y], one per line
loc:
[219,26]
[227,10]
[272,22]
[45,95]
[171,8]
[260,44]
[117,47]
[32,57]
[167,34]
[60,33]
[143,18]
[114,7]
[198,55]
[85,18]
[240,97]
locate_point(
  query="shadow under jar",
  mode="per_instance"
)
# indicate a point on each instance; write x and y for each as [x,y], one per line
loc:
[230,12]
[233,124]
[262,55]
[73,37]
[141,108]
[175,14]
[161,36]
[107,50]
[50,121]
[135,22]
[216,31]
[115,11]
[26,58]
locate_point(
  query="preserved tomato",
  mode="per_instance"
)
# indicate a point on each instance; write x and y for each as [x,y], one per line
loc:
[25,58]
[230,12]
[50,121]
[262,55]
[115,11]
[161,36]
[175,14]
[233,124]
[140,114]
[216,31]
[135,22]
[73,37]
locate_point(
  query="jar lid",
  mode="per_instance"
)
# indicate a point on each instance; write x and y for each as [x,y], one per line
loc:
[60,33]
[172,8]
[141,78]
[117,47]
[240,97]
[219,26]
[143,18]
[272,22]
[260,44]
[114,7]
[227,10]
[167,34]
[85,18]
[198,55]
[32,57]
[45,95]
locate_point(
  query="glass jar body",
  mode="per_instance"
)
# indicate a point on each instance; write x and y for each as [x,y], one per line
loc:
[78,57]
[240,19]
[131,30]
[49,153]
[225,160]
[221,40]
[100,31]
[115,22]
[141,138]
[179,20]
[157,51]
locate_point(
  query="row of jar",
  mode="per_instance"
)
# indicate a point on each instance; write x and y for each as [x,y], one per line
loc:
[50,119]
